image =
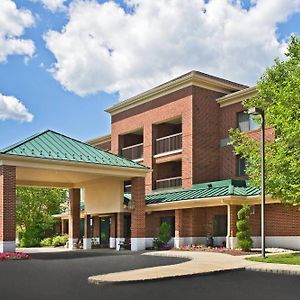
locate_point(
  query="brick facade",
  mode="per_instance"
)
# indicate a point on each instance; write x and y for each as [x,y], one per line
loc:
[138,213]
[7,203]
[74,220]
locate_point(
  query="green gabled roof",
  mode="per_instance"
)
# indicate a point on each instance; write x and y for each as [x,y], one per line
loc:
[56,146]
[198,191]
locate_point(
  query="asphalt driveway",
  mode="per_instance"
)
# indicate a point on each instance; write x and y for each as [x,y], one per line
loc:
[64,276]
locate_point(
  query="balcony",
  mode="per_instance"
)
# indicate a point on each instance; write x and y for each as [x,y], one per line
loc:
[134,152]
[168,182]
[169,143]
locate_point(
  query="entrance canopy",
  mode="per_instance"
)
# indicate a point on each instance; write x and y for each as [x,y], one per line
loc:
[51,159]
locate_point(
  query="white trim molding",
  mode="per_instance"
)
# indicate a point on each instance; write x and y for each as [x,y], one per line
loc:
[118,241]
[87,243]
[138,244]
[287,242]
[7,246]
[112,242]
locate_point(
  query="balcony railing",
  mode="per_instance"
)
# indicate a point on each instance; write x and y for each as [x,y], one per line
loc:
[133,152]
[168,182]
[169,143]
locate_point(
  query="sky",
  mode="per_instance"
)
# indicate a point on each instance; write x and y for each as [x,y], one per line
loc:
[63,62]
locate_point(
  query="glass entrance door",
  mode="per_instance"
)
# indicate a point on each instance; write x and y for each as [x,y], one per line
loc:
[104,231]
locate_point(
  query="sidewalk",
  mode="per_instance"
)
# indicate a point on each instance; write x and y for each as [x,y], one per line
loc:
[199,263]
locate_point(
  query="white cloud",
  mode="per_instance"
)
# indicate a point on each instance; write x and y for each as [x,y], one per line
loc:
[13,22]
[104,48]
[12,108]
[53,5]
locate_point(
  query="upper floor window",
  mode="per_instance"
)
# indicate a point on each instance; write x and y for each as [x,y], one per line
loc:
[246,122]
[241,166]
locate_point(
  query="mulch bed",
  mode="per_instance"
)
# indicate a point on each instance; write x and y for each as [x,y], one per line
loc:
[234,252]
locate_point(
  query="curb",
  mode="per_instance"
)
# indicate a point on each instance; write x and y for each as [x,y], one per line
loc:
[92,280]
[274,271]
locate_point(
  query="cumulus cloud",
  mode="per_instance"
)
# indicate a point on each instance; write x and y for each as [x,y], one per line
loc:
[13,22]
[104,47]
[12,108]
[53,5]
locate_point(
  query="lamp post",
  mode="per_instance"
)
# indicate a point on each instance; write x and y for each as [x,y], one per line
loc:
[259,111]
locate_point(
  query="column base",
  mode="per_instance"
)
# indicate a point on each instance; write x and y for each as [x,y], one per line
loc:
[112,242]
[7,246]
[87,244]
[178,242]
[138,244]
[231,242]
[118,240]
[72,244]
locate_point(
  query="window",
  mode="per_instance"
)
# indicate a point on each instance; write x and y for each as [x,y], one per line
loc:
[241,166]
[246,122]
[220,225]
[169,220]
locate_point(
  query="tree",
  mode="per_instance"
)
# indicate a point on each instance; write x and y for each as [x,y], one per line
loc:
[278,94]
[243,232]
[35,207]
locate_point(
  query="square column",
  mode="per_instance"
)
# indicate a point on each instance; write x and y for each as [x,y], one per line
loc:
[231,240]
[87,242]
[120,230]
[138,218]
[112,238]
[74,219]
[7,208]
[96,228]
[178,240]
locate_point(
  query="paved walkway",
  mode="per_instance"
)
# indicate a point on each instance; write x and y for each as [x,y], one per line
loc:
[199,263]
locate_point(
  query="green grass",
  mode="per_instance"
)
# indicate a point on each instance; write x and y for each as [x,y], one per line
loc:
[289,259]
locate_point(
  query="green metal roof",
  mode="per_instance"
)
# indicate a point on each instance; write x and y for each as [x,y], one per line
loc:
[56,146]
[204,190]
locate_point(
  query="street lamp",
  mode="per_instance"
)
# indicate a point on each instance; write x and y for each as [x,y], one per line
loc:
[259,111]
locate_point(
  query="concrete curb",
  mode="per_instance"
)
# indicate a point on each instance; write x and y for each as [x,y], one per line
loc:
[274,271]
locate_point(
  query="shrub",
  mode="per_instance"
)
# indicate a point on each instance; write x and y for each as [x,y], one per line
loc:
[165,232]
[29,239]
[157,243]
[46,242]
[243,235]
[59,240]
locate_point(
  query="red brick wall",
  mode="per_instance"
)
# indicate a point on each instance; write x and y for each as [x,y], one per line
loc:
[74,221]
[206,140]
[280,220]
[138,213]
[177,104]
[96,226]
[113,225]
[7,203]
[120,225]
[153,222]
[104,146]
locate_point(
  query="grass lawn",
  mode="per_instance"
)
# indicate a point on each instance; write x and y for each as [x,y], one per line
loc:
[289,259]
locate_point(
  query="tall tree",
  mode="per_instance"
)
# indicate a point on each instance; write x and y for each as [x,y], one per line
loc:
[35,207]
[279,96]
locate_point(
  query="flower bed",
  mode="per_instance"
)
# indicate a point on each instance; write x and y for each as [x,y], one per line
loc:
[203,248]
[13,256]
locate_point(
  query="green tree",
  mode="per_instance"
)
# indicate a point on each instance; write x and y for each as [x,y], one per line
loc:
[279,96]
[243,232]
[35,207]
[165,232]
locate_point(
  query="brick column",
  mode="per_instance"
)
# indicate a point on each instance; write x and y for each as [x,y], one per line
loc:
[138,218]
[148,154]
[7,208]
[120,230]
[87,243]
[112,230]
[96,228]
[231,240]
[74,219]
[178,240]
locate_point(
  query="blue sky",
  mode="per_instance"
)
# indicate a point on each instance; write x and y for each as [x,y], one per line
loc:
[77,108]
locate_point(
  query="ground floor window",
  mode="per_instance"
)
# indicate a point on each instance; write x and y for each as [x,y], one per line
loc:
[169,220]
[220,225]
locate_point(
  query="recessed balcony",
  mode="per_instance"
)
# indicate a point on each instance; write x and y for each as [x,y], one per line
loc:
[169,144]
[134,152]
[168,182]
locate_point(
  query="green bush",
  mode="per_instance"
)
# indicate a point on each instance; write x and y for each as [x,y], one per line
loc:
[157,243]
[29,239]
[243,232]
[46,242]
[59,240]
[165,232]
